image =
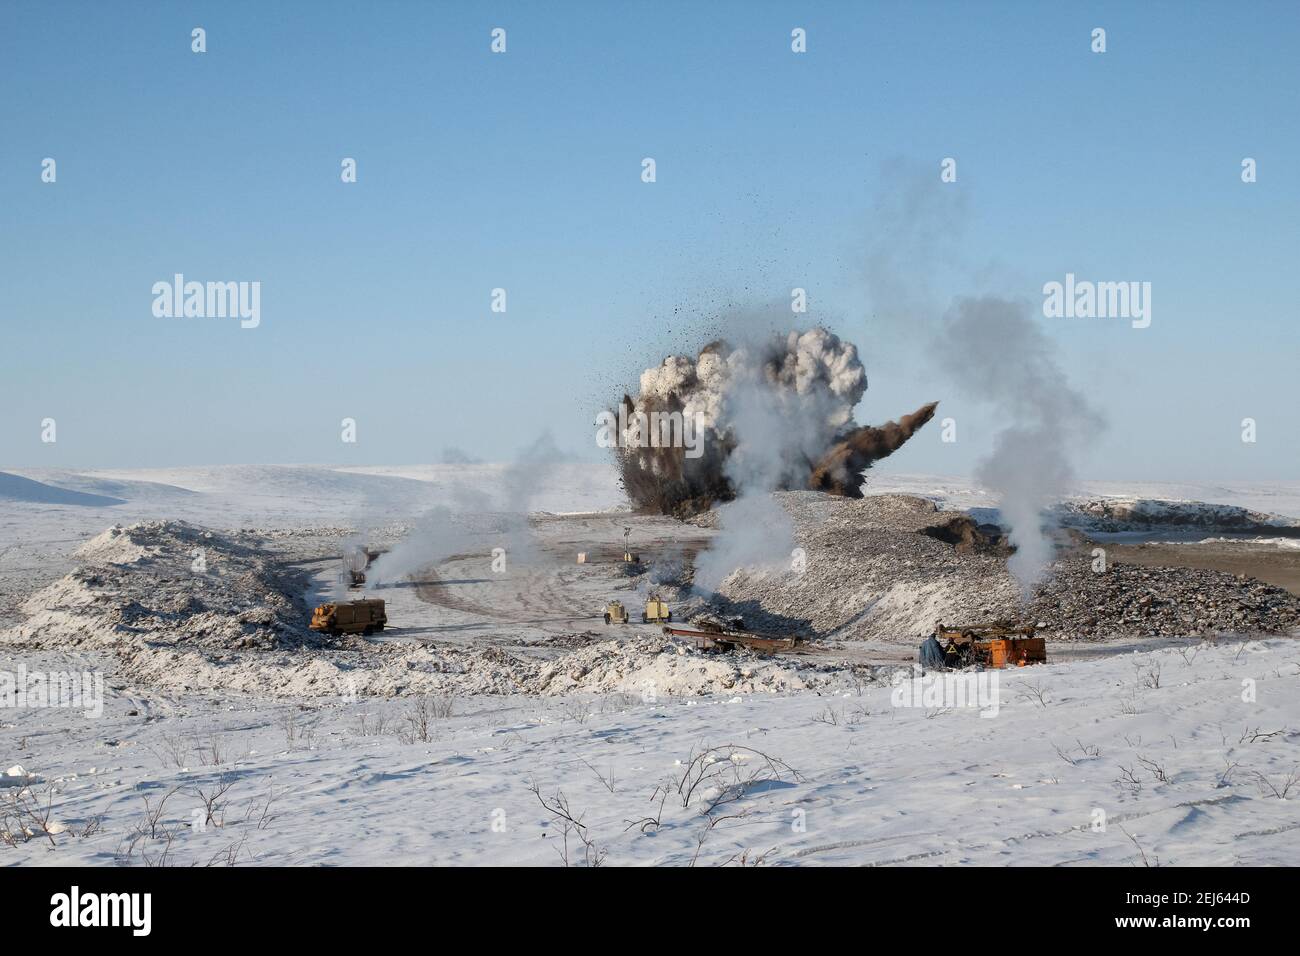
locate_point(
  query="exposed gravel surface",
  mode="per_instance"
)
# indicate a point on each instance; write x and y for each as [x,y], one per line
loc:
[876,568]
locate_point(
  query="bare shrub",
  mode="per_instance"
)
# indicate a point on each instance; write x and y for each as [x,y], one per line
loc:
[646,824]
[259,814]
[1153,768]
[25,816]
[1252,735]
[1282,788]
[1148,673]
[617,703]
[229,855]
[605,781]
[152,824]
[1036,693]
[1225,778]
[721,770]
[577,710]
[558,806]
[417,720]
[150,829]
[213,752]
[829,716]
[213,800]
[749,858]
[172,749]
[1142,852]
[160,856]
[372,725]
[1128,779]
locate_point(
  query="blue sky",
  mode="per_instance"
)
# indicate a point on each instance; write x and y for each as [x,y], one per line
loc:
[522,171]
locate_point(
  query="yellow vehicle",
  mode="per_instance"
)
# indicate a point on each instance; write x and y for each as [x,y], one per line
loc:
[350,617]
[615,613]
[655,611]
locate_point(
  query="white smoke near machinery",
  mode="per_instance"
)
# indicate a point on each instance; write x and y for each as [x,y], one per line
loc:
[492,514]
[755,531]
[994,350]
[435,536]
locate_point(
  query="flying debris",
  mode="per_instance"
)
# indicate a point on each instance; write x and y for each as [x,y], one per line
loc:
[776,414]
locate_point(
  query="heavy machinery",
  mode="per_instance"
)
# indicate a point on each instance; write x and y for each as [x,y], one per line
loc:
[723,635]
[997,645]
[656,611]
[350,617]
[629,556]
[615,613]
[355,562]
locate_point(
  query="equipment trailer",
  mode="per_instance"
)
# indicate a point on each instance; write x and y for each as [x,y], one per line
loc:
[722,640]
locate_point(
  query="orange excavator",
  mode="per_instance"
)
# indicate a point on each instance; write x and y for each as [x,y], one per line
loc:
[997,645]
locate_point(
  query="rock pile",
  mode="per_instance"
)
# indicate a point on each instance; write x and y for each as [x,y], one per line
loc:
[1127,600]
[890,567]
[169,583]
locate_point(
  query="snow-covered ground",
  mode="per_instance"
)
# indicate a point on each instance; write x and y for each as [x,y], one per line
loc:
[293,495]
[1184,756]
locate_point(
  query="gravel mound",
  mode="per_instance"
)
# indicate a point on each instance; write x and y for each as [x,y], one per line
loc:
[889,567]
[168,583]
[1159,602]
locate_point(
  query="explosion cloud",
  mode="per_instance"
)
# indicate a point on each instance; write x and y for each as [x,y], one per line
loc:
[769,416]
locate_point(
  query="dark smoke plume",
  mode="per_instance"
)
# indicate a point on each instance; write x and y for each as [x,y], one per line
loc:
[840,470]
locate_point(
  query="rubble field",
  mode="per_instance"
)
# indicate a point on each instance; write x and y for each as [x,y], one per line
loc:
[186,608]
[238,621]
[889,567]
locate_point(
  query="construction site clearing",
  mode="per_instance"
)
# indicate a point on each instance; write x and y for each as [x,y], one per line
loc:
[883,575]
